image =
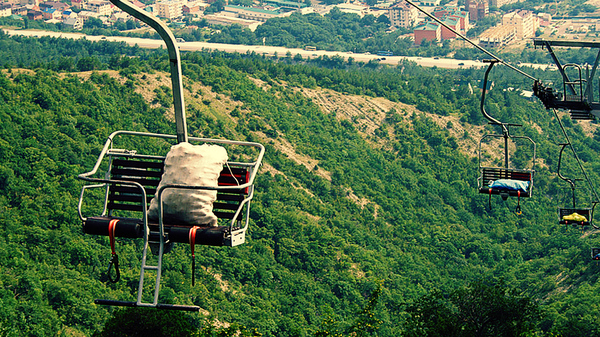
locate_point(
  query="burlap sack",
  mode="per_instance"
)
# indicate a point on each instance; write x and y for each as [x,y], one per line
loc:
[190,165]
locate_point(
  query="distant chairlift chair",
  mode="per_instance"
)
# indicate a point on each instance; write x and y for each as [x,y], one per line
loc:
[577,96]
[595,253]
[572,215]
[504,181]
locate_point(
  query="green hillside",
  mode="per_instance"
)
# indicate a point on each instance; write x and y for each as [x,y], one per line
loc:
[366,208]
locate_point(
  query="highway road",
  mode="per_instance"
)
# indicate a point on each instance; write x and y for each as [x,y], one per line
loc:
[269,50]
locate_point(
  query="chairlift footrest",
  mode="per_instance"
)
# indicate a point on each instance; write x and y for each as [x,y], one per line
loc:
[158,306]
[582,115]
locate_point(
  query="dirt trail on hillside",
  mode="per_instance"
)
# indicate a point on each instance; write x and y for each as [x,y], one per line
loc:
[368,114]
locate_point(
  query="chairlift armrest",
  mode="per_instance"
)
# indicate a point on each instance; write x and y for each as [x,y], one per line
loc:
[80,203]
[163,188]
[104,183]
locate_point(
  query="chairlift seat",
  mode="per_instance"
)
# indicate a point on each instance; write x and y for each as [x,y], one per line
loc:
[131,177]
[490,174]
[585,212]
[131,181]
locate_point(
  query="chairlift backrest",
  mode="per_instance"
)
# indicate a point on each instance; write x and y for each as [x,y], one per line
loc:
[490,173]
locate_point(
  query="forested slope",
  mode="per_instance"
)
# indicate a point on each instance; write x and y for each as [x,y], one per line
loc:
[359,210]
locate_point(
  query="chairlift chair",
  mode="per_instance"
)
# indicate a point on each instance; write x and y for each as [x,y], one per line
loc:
[573,215]
[595,253]
[132,178]
[504,181]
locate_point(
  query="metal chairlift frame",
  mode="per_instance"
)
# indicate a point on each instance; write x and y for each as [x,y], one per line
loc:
[108,152]
[587,212]
[581,104]
[506,172]
[237,227]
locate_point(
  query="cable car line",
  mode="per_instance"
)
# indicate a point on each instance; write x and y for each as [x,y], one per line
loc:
[587,178]
[469,41]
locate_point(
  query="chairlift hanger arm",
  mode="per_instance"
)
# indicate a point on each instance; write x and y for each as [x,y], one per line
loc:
[482,105]
[570,181]
[174,61]
[589,89]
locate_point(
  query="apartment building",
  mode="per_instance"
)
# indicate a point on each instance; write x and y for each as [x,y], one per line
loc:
[103,8]
[169,9]
[453,12]
[478,9]
[452,22]
[525,22]
[403,15]
[427,30]
[497,36]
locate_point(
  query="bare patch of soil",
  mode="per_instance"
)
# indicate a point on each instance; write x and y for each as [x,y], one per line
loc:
[368,114]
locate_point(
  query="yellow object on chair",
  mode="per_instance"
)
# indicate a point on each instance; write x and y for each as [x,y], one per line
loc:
[575,217]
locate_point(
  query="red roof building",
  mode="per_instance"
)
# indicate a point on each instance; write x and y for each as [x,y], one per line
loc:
[427,30]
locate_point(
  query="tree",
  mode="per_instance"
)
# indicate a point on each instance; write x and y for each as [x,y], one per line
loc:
[480,309]
[88,63]
[384,19]
[215,7]
[147,322]
[93,23]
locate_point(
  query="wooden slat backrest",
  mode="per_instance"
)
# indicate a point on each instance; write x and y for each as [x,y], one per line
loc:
[144,171]
[568,211]
[502,173]
[147,172]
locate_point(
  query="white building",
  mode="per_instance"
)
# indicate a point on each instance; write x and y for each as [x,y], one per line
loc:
[402,14]
[168,9]
[524,21]
[75,23]
[353,8]
[103,8]
[430,3]
[5,10]
[250,13]
[85,15]
[500,3]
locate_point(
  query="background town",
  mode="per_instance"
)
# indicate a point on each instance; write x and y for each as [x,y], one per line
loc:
[492,24]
